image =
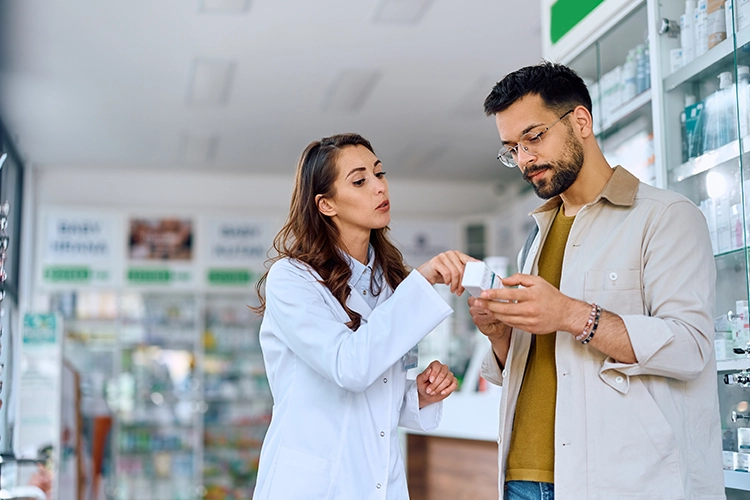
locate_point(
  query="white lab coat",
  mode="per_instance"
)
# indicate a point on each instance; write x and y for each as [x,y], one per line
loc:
[339,395]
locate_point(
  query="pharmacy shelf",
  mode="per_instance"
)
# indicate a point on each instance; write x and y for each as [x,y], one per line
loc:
[694,68]
[709,160]
[737,480]
[730,365]
[632,108]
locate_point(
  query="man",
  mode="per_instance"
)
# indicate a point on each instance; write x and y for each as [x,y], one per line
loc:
[604,344]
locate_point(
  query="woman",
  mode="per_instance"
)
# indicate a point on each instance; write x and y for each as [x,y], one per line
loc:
[341,314]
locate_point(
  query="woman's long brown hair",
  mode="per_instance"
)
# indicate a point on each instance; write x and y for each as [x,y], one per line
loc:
[313,238]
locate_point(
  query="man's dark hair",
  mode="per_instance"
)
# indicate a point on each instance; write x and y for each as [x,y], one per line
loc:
[559,87]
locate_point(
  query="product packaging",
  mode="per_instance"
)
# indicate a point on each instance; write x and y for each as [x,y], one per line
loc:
[694,129]
[741,462]
[478,277]
[717,23]
[743,439]
[728,460]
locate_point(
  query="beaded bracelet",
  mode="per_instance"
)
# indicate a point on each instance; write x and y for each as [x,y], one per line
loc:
[589,323]
[593,327]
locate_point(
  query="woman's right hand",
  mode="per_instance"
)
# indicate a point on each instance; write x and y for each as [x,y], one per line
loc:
[446,268]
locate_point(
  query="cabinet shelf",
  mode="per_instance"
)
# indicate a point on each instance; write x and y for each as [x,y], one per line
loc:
[737,480]
[701,63]
[632,108]
[730,365]
[708,160]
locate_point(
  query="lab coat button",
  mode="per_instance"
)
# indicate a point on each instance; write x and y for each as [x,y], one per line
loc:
[385,380]
[505,373]
[378,486]
[613,276]
[382,434]
[619,380]
[364,292]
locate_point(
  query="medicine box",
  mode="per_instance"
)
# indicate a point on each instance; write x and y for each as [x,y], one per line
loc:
[478,276]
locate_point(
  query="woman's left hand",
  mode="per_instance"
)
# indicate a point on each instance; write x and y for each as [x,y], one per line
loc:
[435,384]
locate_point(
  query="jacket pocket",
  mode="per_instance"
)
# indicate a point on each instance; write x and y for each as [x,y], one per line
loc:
[632,451]
[617,290]
[299,476]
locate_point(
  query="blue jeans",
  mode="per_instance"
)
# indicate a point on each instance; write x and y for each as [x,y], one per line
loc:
[529,490]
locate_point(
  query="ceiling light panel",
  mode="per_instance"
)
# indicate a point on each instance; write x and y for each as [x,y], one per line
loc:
[401,11]
[350,91]
[210,81]
[197,149]
[223,6]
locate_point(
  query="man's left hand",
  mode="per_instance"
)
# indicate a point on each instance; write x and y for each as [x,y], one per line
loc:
[534,307]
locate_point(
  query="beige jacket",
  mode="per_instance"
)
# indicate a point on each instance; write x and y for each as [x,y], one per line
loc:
[648,430]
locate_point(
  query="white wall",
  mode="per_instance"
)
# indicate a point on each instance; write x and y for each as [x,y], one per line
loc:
[259,194]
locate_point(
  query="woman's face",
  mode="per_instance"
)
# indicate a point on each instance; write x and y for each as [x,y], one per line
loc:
[360,202]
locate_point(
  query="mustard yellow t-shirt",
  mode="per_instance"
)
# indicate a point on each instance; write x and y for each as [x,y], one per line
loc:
[532,442]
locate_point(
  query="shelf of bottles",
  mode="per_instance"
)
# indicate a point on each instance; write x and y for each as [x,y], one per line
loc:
[175,398]
[237,399]
[157,399]
[706,82]
[90,339]
[617,71]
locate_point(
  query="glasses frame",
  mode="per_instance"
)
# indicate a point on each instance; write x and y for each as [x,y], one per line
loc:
[505,155]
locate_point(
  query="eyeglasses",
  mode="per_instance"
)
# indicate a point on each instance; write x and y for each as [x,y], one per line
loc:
[530,144]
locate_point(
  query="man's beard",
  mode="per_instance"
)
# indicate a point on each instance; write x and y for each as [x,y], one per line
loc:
[564,172]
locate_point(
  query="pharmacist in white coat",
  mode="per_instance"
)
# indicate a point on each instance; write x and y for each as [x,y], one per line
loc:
[341,318]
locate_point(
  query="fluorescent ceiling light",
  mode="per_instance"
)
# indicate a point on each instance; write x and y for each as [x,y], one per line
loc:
[223,6]
[401,11]
[197,149]
[350,91]
[210,81]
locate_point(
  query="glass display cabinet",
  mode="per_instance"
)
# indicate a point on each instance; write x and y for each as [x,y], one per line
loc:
[616,68]
[174,397]
[705,79]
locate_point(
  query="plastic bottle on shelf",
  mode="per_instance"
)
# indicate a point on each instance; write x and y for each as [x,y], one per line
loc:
[742,9]
[716,23]
[723,224]
[640,68]
[629,71]
[737,226]
[728,96]
[689,101]
[743,99]
[741,324]
[700,43]
[687,34]
[647,63]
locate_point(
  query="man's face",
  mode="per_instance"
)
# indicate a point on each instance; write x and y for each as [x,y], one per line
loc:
[557,157]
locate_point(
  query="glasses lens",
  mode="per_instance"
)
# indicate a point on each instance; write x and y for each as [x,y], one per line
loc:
[506,158]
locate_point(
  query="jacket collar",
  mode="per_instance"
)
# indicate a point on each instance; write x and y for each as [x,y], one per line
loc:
[620,190]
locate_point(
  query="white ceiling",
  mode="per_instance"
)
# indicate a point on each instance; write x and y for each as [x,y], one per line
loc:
[117,83]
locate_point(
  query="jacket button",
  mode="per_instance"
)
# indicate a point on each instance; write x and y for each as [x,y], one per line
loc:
[619,380]
[613,276]
[377,486]
[385,380]
[505,373]
[382,434]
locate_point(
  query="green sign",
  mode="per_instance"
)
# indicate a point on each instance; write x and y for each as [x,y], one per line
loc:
[229,277]
[39,329]
[565,14]
[161,276]
[156,276]
[67,274]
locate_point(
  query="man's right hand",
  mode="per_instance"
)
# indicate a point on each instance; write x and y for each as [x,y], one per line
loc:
[497,331]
